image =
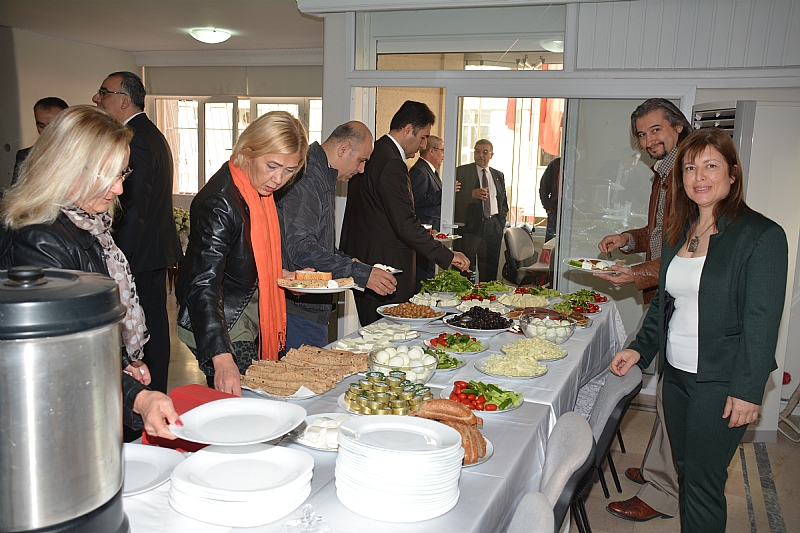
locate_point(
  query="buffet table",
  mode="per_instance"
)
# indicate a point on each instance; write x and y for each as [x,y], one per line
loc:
[489,492]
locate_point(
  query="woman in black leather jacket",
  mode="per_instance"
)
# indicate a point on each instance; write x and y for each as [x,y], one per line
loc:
[57,216]
[232,310]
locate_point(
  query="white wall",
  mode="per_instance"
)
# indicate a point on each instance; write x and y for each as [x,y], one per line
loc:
[48,66]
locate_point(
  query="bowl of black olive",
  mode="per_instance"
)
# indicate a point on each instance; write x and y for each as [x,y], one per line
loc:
[479,322]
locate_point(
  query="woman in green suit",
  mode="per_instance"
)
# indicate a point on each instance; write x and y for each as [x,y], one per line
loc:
[715,320]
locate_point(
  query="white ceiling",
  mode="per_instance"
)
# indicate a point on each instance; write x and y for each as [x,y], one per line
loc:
[141,26]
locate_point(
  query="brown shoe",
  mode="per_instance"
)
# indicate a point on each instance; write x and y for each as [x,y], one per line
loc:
[635,475]
[634,509]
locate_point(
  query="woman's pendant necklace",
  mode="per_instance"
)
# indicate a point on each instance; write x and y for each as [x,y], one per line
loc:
[695,242]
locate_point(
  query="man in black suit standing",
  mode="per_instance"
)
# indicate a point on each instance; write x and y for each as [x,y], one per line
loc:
[44,111]
[426,184]
[144,227]
[481,206]
[380,225]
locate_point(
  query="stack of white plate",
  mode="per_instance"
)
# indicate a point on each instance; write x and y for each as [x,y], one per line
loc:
[398,468]
[241,486]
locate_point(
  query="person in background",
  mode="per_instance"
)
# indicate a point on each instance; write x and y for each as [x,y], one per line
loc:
[379,221]
[426,186]
[660,127]
[548,194]
[714,321]
[308,231]
[482,206]
[65,223]
[145,227]
[43,112]
[232,311]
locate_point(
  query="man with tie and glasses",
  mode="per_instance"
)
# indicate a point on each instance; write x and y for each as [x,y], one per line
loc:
[481,206]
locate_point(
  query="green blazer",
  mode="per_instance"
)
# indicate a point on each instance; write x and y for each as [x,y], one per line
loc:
[742,291]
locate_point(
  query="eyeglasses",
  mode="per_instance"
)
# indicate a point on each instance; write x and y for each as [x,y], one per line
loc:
[484,152]
[124,174]
[434,149]
[103,92]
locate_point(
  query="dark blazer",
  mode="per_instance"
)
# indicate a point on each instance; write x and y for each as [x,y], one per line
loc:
[469,211]
[144,228]
[22,155]
[218,277]
[742,291]
[427,189]
[380,225]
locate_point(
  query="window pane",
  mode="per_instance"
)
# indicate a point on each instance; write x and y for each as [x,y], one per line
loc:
[244,115]
[177,120]
[293,109]
[219,136]
[315,121]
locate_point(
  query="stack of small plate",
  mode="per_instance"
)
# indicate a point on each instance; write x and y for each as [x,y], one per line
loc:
[241,486]
[413,464]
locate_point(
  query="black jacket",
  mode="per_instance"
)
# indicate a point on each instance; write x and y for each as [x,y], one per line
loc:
[218,276]
[427,189]
[63,245]
[308,234]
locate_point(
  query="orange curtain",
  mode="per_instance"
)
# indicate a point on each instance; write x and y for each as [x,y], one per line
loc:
[550,114]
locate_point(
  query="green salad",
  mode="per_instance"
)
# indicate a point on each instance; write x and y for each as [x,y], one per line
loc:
[446,361]
[448,281]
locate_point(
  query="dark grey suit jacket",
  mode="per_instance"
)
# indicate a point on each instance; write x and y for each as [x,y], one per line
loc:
[427,189]
[144,227]
[469,211]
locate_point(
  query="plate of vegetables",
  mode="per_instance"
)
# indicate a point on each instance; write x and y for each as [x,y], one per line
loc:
[508,366]
[538,291]
[592,265]
[494,287]
[583,301]
[480,396]
[446,281]
[455,343]
[446,362]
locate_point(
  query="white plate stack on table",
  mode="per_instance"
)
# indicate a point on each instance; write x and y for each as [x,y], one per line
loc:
[241,486]
[239,482]
[397,468]
[147,467]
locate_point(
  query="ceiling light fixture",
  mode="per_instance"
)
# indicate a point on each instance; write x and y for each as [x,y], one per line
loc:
[553,45]
[210,35]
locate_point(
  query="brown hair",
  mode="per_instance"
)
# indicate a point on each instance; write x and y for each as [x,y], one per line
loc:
[683,211]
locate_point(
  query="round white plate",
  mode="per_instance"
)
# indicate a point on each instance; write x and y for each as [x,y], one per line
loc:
[611,262]
[147,467]
[479,367]
[477,333]
[296,434]
[487,455]
[445,394]
[398,434]
[320,290]
[265,394]
[409,321]
[427,343]
[238,421]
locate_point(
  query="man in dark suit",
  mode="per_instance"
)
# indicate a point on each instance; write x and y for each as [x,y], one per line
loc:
[44,111]
[426,184]
[144,227]
[380,225]
[481,206]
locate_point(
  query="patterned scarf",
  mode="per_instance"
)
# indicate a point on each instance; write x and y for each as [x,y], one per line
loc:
[134,330]
[265,237]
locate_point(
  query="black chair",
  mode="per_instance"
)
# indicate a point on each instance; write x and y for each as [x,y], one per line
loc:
[521,267]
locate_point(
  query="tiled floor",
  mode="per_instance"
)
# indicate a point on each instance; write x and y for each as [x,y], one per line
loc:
[781,458]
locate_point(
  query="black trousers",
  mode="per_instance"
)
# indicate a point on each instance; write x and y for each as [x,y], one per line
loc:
[482,242]
[702,446]
[367,309]
[152,288]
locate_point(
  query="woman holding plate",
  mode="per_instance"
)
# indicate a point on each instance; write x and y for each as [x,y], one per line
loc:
[231,308]
[714,319]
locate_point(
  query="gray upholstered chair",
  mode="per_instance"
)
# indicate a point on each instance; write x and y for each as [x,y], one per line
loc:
[568,456]
[521,266]
[534,514]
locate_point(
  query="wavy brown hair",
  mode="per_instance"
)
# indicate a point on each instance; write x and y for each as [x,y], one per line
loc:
[683,211]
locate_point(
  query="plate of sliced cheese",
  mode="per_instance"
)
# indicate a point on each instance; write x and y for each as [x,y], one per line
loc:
[320,432]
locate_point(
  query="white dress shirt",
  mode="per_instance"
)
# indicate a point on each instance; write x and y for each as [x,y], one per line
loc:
[492,189]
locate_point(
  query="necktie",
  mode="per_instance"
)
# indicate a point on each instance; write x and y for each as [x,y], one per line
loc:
[487,204]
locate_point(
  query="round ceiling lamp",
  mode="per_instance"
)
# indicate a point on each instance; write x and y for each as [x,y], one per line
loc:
[553,45]
[210,35]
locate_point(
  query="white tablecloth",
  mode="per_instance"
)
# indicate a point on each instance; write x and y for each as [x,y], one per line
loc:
[489,492]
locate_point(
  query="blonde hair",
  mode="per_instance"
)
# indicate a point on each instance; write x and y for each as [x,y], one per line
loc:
[276,132]
[74,161]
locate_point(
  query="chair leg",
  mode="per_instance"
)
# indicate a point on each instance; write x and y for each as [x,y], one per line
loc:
[621,444]
[614,473]
[603,482]
[582,509]
[576,516]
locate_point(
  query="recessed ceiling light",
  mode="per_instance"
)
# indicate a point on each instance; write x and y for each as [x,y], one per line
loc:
[553,45]
[210,35]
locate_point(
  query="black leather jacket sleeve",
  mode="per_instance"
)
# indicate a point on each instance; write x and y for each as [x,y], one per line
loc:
[130,389]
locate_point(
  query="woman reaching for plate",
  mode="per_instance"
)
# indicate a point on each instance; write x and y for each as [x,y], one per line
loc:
[714,319]
[58,216]
[232,310]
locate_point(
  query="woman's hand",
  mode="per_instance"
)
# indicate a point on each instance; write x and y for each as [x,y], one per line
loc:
[740,411]
[288,275]
[226,374]
[139,371]
[613,242]
[157,412]
[623,361]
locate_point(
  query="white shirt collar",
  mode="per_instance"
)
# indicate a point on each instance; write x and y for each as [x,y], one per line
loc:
[131,117]
[402,152]
[429,164]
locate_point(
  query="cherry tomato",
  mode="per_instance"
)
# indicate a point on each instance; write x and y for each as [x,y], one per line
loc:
[471,397]
[441,235]
[462,384]
[601,299]
[472,405]
[480,298]
[457,334]
[462,396]
[481,399]
[490,407]
[442,335]
[479,407]
[492,297]
[578,308]
[465,402]
[474,339]
[454,396]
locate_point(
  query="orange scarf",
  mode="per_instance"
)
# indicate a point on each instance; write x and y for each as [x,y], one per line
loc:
[265,238]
